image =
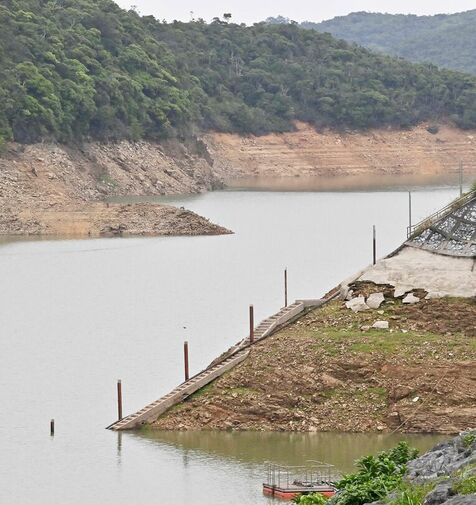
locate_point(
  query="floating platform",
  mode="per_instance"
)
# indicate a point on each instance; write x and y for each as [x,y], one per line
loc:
[287,482]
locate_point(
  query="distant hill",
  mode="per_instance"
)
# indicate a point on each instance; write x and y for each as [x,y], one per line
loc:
[80,69]
[445,40]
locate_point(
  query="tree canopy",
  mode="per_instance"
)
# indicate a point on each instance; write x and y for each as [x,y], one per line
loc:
[446,40]
[76,69]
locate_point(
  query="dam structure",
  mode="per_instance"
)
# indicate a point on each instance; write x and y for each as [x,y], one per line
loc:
[438,257]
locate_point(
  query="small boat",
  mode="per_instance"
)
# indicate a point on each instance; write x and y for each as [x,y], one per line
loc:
[287,482]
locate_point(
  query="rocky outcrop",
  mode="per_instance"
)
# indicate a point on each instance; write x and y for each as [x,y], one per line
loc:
[448,468]
[445,459]
[47,189]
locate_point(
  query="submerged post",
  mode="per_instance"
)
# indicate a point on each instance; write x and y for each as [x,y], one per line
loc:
[374,248]
[119,400]
[252,324]
[52,428]
[285,287]
[460,178]
[185,360]
[409,212]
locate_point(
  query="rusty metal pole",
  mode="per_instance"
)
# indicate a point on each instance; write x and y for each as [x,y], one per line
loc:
[252,324]
[52,427]
[374,247]
[285,287]
[119,400]
[185,360]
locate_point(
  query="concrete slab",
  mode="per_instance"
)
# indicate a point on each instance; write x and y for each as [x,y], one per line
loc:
[415,268]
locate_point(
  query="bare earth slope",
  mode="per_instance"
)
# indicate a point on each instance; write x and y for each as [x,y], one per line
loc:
[374,152]
[54,190]
[329,372]
[50,189]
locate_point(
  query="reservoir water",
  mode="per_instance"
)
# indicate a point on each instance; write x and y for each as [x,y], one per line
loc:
[76,315]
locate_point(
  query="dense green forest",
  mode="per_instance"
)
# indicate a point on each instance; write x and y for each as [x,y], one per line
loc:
[77,69]
[447,40]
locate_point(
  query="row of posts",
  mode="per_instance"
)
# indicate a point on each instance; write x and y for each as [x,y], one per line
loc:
[251,313]
[186,349]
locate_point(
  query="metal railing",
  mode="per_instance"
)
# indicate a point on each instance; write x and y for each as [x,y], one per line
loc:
[430,220]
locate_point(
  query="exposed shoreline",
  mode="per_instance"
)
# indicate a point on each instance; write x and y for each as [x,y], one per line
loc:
[53,190]
[330,371]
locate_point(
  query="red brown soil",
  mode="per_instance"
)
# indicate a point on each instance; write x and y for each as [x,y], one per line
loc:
[323,373]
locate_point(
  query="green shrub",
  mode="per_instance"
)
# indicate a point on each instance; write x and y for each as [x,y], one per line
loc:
[310,499]
[469,438]
[376,476]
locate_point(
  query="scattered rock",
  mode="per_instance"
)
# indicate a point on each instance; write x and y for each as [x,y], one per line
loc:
[375,300]
[357,304]
[380,325]
[400,291]
[440,494]
[330,381]
[411,298]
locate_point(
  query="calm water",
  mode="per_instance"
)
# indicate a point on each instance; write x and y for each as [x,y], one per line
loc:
[77,315]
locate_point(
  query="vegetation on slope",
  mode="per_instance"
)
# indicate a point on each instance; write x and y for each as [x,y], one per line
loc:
[87,69]
[445,40]
[376,476]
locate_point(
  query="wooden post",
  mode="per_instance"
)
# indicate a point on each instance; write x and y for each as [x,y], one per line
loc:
[460,178]
[285,287]
[374,248]
[410,212]
[119,400]
[185,360]
[52,427]
[252,324]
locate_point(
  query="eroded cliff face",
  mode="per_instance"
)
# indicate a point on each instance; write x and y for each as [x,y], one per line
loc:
[57,190]
[48,189]
[306,152]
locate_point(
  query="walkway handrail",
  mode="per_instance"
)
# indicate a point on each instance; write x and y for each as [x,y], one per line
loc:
[428,221]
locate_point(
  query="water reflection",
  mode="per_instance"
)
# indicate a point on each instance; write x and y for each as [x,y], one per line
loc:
[339,449]
[363,182]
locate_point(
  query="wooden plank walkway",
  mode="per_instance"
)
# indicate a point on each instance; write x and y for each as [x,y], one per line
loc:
[232,358]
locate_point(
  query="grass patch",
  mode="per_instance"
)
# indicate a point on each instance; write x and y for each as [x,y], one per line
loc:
[466,478]
[411,494]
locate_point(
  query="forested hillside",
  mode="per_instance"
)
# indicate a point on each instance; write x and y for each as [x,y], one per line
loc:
[75,69]
[445,40]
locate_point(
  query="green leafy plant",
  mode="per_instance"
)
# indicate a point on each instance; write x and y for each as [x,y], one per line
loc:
[376,476]
[310,499]
[469,438]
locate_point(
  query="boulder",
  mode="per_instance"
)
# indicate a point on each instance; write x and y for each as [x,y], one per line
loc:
[380,325]
[357,304]
[375,300]
[411,298]
[440,494]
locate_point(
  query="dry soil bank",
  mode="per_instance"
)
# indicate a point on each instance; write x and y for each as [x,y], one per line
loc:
[57,190]
[326,373]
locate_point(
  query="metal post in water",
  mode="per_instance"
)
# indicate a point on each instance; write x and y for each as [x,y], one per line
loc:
[374,245]
[185,360]
[285,287]
[252,324]
[119,399]
[52,427]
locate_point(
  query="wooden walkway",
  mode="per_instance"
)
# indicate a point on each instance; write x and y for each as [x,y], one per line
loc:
[233,357]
